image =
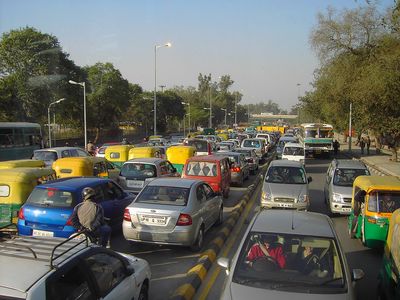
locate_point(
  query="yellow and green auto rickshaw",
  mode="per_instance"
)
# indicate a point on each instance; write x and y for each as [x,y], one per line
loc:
[374,200]
[389,277]
[15,186]
[223,135]
[118,154]
[177,156]
[144,152]
[22,163]
[84,166]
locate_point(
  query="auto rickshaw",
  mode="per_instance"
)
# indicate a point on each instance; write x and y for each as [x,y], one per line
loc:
[374,200]
[223,135]
[389,278]
[84,166]
[177,156]
[22,163]
[15,186]
[144,152]
[118,154]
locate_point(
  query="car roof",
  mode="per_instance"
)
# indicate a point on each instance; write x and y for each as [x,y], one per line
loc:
[349,164]
[151,160]
[173,182]
[230,153]
[285,163]
[73,183]
[293,222]
[287,138]
[212,157]
[17,259]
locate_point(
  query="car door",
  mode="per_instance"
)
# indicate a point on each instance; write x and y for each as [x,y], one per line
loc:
[203,212]
[212,204]
[328,180]
[115,201]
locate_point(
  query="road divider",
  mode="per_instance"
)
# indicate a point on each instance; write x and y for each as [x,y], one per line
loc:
[196,275]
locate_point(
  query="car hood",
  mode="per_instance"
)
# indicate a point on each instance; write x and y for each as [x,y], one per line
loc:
[285,190]
[238,291]
[345,191]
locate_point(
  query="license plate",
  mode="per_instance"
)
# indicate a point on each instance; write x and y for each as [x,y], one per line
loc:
[285,205]
[42,233]
[152,220]
[135,183]
[318,151]
[346,209]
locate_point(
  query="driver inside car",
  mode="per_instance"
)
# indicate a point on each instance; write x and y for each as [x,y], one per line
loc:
[267,249]
[309,263]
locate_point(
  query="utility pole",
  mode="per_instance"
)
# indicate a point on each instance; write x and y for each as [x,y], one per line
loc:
[350,128]
[162,88]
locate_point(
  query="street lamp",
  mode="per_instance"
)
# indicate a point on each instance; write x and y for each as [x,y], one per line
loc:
[210,120]
[155,83]
[84,106]
[188,104]
[48,117]
[225,110]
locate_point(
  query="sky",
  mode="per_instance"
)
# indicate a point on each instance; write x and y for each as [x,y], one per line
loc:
[262,44]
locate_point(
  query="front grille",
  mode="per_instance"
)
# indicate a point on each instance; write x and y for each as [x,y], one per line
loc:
[285,200]
[347,200]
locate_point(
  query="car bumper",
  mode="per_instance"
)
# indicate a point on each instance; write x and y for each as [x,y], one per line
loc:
[340,208]
[46,232]
[288,205]
[180,235]
[236,177]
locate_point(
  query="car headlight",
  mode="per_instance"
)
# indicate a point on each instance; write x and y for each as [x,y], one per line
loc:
[265,196]
[304,198]
[336,197]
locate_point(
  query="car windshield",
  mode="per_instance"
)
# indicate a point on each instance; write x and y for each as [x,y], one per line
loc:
[45,155]
[51,197]
[201,146]
[138,170]
[346,177]
[164,195]
[384,201]
[293,151]
[252,143]
[286,175]
[290,262]
[201,168]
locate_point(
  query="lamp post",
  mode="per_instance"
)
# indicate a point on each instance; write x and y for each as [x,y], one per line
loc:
[350,127]
[48,117]
[210,108]
[210,120]
[155,83]
[188,104]
[236,96]
[225,110]
[84,106]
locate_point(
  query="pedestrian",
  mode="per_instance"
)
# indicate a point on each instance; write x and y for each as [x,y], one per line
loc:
[90,148]
[89,216]
[362,145]
[336,146]
[368,144]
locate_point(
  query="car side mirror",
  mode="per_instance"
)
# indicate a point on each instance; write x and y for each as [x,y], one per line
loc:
[130,270]
[224,263]
[357,274]
[309,179]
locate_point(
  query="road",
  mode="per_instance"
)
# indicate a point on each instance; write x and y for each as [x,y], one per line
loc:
[357,255]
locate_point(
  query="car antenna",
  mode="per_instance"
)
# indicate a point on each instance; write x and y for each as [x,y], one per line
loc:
[292,219]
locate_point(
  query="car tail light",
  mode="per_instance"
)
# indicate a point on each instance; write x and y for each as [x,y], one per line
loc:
[215,187]
[127,215]
[21,214]
[184,220]
[69,221]
[235,169]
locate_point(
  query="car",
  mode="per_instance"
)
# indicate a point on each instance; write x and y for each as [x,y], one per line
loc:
[203,146]
[322,274]
[137,172]
[101,151]
[294,151]
[286,186]
[338,186]
[228,147]
[173,211]
[251,157]
[56,268]
[257,144]
[48,209]
[281,144]
[50,155]
[240,170]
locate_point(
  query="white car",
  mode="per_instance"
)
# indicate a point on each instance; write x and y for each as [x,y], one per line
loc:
[54,268]
[295,152]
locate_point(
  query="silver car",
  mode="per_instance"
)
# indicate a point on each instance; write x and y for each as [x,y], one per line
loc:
[303,259]
[173,211]
[251,157]
[240,170]
[137,172]
[285,186]
[339,184]
[50,155]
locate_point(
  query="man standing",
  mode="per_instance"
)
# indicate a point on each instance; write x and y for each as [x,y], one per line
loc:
[336,147]
[362,145]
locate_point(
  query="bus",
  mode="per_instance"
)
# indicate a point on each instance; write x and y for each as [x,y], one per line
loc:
[18,140]
[317,138]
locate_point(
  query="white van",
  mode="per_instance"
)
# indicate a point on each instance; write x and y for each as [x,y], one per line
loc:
[294,151]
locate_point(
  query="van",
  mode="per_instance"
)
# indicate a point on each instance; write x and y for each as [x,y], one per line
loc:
[203,146]
[212,169]
[295,152]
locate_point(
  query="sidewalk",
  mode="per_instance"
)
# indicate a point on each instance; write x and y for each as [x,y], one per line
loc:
[379,162]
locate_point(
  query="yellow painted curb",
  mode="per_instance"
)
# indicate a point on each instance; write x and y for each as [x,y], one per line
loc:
[210,253]
[186,290]
[219,241]
[199,270]
[225,231]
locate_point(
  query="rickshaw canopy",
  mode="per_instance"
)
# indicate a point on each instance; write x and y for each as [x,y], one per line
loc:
[81,166]
[118,153]
[22,163]
[179,154]
[144,152]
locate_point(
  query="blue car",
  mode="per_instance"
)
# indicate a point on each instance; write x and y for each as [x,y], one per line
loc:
[47,211]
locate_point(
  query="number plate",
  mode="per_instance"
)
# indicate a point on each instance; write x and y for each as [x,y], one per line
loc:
[42,233]
[346,209]
[135,183]
[285,205]
[152,220]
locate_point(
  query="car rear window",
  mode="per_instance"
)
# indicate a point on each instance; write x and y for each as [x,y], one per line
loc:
[293,151]
[165,195]
[138,170]
[51,197]
[252,143]
[45,155]
[201,146]
[201,168]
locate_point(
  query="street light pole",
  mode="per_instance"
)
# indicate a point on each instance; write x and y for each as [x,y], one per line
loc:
[350,127]
[155,83]
[84,106]
[188,104]
[225,110]
[48,117]
[236,109]
[209,95]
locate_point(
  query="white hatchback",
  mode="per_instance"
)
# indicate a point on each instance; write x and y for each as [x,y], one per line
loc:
[295,152]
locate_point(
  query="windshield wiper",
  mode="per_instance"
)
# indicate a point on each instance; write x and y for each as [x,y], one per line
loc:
[331,280]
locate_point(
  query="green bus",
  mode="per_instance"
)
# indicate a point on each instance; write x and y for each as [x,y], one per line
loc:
[317,138]
[18,140]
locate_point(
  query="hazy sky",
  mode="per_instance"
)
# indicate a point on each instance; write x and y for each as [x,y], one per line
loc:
[263,45]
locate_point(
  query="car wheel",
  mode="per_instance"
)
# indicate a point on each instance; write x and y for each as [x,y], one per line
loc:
[198,244]
[220,219]
[144,293]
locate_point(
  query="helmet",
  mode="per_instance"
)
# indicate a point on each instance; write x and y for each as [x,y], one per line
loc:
[88,193]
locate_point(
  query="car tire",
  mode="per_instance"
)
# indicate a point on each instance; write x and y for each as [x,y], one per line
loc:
[220,219]
[144,292]
[198,244]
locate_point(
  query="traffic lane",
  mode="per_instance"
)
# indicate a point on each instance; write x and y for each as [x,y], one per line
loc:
[169,264]
[358,256]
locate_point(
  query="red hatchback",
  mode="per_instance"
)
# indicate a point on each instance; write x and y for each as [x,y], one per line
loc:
[213,169]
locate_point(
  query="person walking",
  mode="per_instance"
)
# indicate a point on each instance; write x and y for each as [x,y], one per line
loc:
[89,216]
[368,144]
[336,146]
[362,145]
